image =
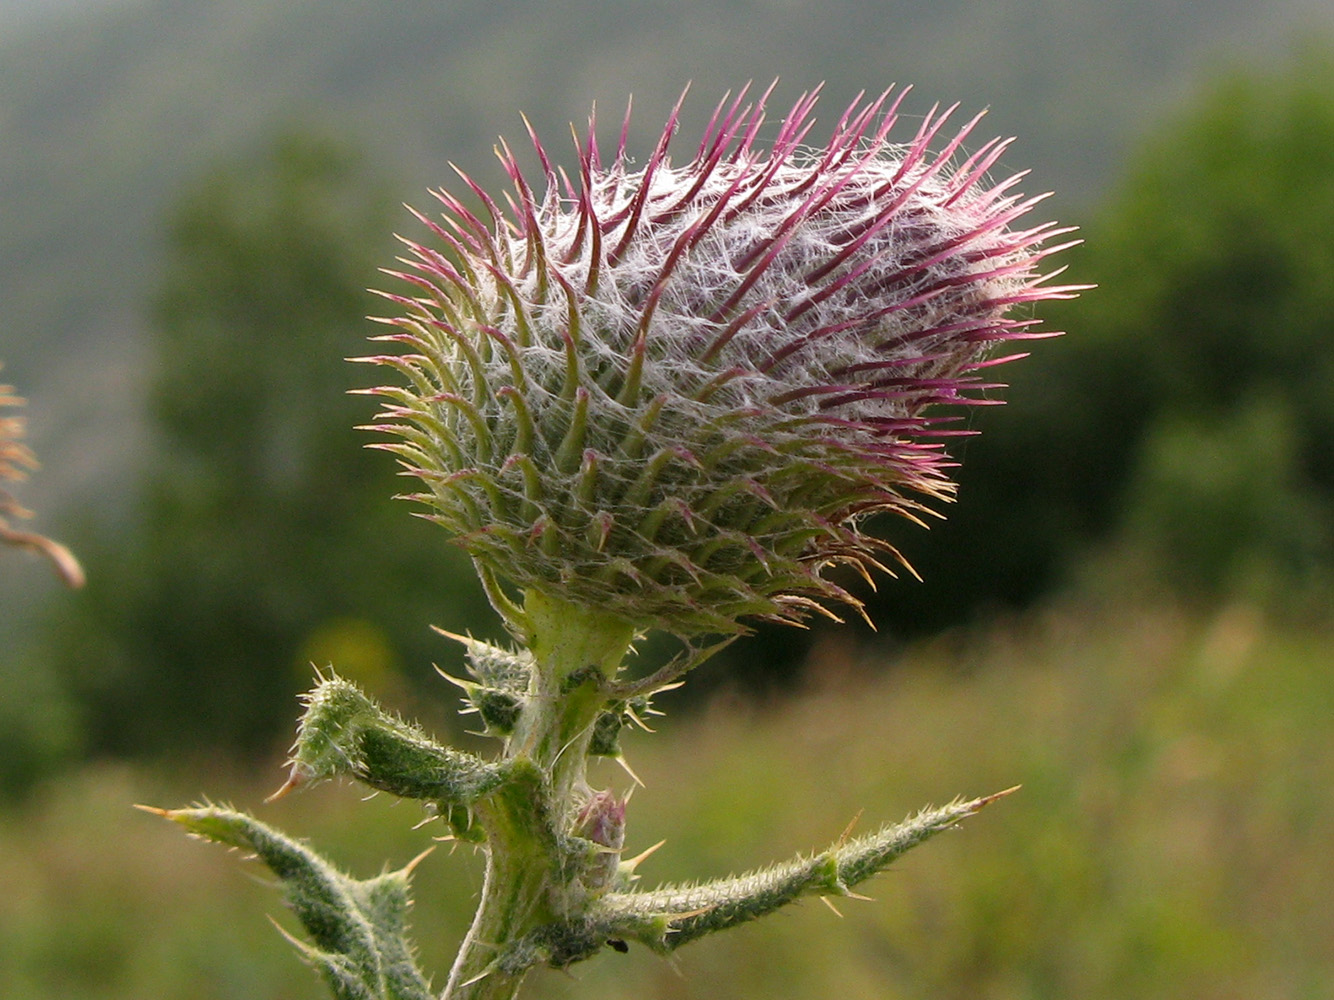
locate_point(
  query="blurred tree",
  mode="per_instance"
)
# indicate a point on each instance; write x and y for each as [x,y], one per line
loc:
[267,537]
[1190,411]
[1221,505]
[1218,271]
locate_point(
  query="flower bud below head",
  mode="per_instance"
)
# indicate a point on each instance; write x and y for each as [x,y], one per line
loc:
[674,394]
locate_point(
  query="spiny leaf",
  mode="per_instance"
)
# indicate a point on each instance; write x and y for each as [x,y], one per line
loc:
[343,732]
[670,916]
[358,928]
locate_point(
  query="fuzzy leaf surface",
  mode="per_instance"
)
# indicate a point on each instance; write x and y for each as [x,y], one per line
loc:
[673,915]
[358,928]
[343,732]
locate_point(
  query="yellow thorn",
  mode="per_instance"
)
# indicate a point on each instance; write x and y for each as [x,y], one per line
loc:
[674,917]
[633,777]
[986,800]
[465,684]
[293,782]
[292,939]
[464,639]
[638,721]
[847,831]
[632,863]
[475,979]
[407,869]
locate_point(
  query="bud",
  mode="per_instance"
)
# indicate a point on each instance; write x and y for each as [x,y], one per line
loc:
[675,393]
[602,821]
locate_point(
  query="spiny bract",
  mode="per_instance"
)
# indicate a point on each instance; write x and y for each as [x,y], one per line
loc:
[675,393]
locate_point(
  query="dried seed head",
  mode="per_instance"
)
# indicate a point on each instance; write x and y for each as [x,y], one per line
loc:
[15,457]
[675,393]
[15,461]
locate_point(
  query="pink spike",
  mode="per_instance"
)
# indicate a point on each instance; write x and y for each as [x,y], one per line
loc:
[795,122]
[992,196]
[888,119]
[820,197]
[851,110]
[929,171]
[625,130]
[872,318]
[733,328]
[688,237]
[466,225]
[756,120]
[481,193]
[708,129]
[761,182]
[582,222]
[921,144]
[704,170]
[527,209]
[537,147]
[594,249]
[975,167]
[993,362]
[728,123]
[646,179]
[566,184]
[953,145]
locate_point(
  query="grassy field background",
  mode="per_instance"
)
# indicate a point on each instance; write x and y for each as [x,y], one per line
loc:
[1171,838]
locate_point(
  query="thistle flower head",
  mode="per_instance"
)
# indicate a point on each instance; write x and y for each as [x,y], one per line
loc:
[675,393]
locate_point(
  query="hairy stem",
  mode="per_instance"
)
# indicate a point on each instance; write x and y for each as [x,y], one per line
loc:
[519,853]
[529,881]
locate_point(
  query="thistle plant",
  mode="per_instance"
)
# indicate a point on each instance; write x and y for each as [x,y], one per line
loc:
[654,398]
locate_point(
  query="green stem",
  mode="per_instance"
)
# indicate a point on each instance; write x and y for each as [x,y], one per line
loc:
[472,977]
[519,852]
[528,821]
[577,654]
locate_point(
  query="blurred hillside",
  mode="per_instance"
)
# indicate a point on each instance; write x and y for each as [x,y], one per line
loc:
[20,17]
[168,288]
[108,110]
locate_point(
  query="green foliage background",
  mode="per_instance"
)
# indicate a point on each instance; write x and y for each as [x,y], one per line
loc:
[1177,446]
[210,479]
[264,542]
[1186,421]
